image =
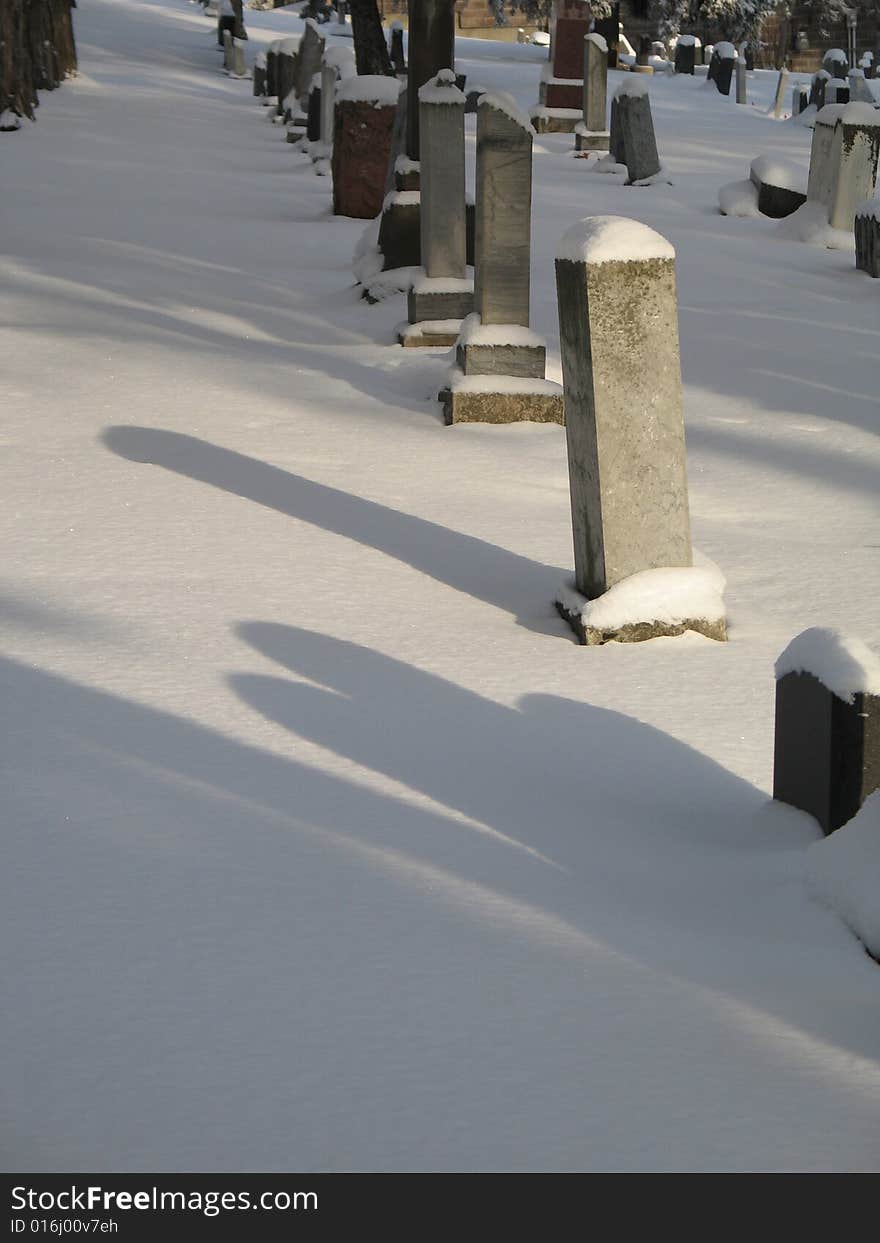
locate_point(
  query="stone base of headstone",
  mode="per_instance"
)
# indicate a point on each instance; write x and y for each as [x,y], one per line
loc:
[527,362]
[591,140]
[867,231]
[361,149]
[443,298]
[430,334]
[777,184]
[570,604]
[827,751]
[555,120]
[259,81]
[523,401]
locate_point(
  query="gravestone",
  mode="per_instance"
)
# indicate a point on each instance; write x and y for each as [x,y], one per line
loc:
[686,54]
[827,745]
[363,120]
[859,91]
[867,233]
[499,373]
[817,88]
[834,63]
[560,99]
[721,67]
[260,91]
[837,91]
[843,160]
[592,133]
[329,77]
[636,128]
[441,292]
[643,56]
[779,98]
[800,99]
[313,113]
[618,325]
[781,186]
[227,50]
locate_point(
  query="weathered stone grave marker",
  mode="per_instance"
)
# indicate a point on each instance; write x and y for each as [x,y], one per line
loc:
[499,373]
[442,294]
[591,133]
[618,327]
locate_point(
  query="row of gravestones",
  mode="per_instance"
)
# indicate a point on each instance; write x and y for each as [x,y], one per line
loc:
[624,422]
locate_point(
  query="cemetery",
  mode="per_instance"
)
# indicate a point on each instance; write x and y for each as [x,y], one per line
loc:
[441,639]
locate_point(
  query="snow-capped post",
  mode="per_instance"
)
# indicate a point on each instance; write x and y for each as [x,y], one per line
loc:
[686,53]
[837,91]
[827,747]
[227,50]
[618,324]
[560,93]
[313,111]
[285,66]
[442,294]
[781,86]
[636,128]
[721,66]
[499,372]
[431,48]
[867,231]
[329,77]
[260,91]
[817,88]
[742,91]
[364,117]
[859,91]
[843,161]
[591,133]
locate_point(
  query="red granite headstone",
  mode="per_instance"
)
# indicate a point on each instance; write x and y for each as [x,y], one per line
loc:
[361,149]
[568,47]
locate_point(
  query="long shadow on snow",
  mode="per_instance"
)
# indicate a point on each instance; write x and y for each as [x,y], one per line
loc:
[485,571]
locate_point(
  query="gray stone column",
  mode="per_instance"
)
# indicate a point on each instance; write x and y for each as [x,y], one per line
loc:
[618,327]
[595,83]
[329,75]
[431,48]
[441,122]
[781,84]
[503,215]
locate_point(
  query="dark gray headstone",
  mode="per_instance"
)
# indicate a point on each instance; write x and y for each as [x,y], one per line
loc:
[637,135]
[398,60]
[827,751]
[685,57]
[867,231]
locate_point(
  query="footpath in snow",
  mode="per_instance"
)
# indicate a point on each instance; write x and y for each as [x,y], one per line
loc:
[327,847]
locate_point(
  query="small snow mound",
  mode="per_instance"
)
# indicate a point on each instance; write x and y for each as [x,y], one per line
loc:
[607,239]
[843,871]
[774,171]
[739,198]
[9,121]
[502,102]
[810,224]
[441,90]
[842,663]
[670,595]
[370,88]
[635,85]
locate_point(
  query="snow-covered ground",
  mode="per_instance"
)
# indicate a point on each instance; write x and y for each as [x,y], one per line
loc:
[326,847]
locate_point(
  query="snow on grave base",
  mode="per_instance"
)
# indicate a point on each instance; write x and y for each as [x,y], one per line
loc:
[429,333]
[651,604]
[501,399]
[363,119]
[827,746]
[618,325]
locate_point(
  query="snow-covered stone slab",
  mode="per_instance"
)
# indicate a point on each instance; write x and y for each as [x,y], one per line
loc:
[429,333]
[500,399]
[555,120]
[781,185]
[827,749]
[650,604]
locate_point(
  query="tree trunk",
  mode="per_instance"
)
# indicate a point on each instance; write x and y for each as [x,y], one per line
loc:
[37,51]
[370,48]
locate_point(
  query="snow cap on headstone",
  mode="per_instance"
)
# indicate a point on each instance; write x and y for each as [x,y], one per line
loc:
[612,239]
[502,102]
[843,664]
[441,90]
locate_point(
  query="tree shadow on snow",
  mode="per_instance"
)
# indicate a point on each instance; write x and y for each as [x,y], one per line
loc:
[504,579]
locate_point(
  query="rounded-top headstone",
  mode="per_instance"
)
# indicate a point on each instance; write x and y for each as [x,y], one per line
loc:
[612,239]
